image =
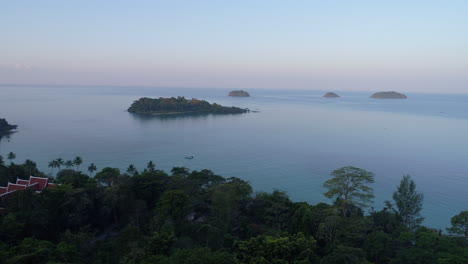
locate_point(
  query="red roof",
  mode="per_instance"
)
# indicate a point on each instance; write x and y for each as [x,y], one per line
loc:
[15,187]
[20,181]
[42,182]
[6,195]
[34,186]
[3,190]
[50,186]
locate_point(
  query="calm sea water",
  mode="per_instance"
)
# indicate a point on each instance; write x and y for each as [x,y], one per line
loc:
[292,144]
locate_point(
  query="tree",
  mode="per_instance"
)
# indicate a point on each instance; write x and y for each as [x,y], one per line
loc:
[52,165]
[349,186]
[78,161]
[69,164]
[11,156]
[459,224]
[29,165]
[108,175]
[92,168]
[59,163]
[151,166]
[295,248]
[409,202]
[175,205]
[131,169]
[1,160]
[345,255]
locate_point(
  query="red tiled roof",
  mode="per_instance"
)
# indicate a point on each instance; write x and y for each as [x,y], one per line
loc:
[7,194]
[34,186]
[15,187]
[50,185]
[20,181]
[3,190]
[42,181]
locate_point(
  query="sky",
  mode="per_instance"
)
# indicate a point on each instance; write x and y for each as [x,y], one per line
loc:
[414,46]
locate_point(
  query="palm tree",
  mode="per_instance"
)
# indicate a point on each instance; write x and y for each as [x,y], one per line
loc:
[29,165]
[92,168]
[151,166]
[69,164]
[11,156]
[131,169]
[77,161]
[52,166]
[60,163]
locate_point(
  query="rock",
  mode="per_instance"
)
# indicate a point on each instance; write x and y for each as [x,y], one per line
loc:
[239,93]
[330,95]
[388,95]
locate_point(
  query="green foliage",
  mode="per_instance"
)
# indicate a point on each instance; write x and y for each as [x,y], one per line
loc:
[77,162]
[108,175]
[69,164]
[193,256]
[409,202]
[174,205]
[273,210]
[459,225]
[179,105]
[92,168]
[11,156]
[345,255]
[32,250]
[201,217]
[349,186]
[284,249]
[74,178]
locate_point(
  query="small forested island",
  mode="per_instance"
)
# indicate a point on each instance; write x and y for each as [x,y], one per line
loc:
[330,95]
[239,93]
[388,95]
[180,105]
[146,215]
[5,127]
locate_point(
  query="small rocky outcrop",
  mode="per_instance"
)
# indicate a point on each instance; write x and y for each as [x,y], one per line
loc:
[330,95]
[239,93]
[388,95]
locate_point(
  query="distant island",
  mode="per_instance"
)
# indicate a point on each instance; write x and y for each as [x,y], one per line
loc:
[5,128]
[330,95]
[180,105]
[239,93]
[388,95]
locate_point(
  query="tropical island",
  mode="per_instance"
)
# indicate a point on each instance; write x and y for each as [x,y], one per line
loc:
[239,93]
[180,105]
[5,127]
[144,215]
[330,95]
[388,95]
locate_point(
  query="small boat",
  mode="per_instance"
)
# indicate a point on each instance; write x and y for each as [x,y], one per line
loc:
[189,157]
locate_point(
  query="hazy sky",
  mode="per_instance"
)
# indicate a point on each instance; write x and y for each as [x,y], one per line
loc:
[342,45]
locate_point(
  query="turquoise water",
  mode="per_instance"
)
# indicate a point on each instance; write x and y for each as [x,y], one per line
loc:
[295,140]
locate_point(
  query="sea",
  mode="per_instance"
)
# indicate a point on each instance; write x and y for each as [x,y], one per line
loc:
[291,141]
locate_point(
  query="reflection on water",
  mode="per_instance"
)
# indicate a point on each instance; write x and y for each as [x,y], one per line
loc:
[180,116]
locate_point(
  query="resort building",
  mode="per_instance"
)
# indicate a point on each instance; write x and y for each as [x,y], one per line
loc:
[35,183]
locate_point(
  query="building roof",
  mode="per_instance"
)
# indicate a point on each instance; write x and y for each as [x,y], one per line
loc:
[21,181]
[16,187]
[42,182]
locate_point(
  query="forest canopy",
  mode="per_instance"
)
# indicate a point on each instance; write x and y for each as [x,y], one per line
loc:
[146,215]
